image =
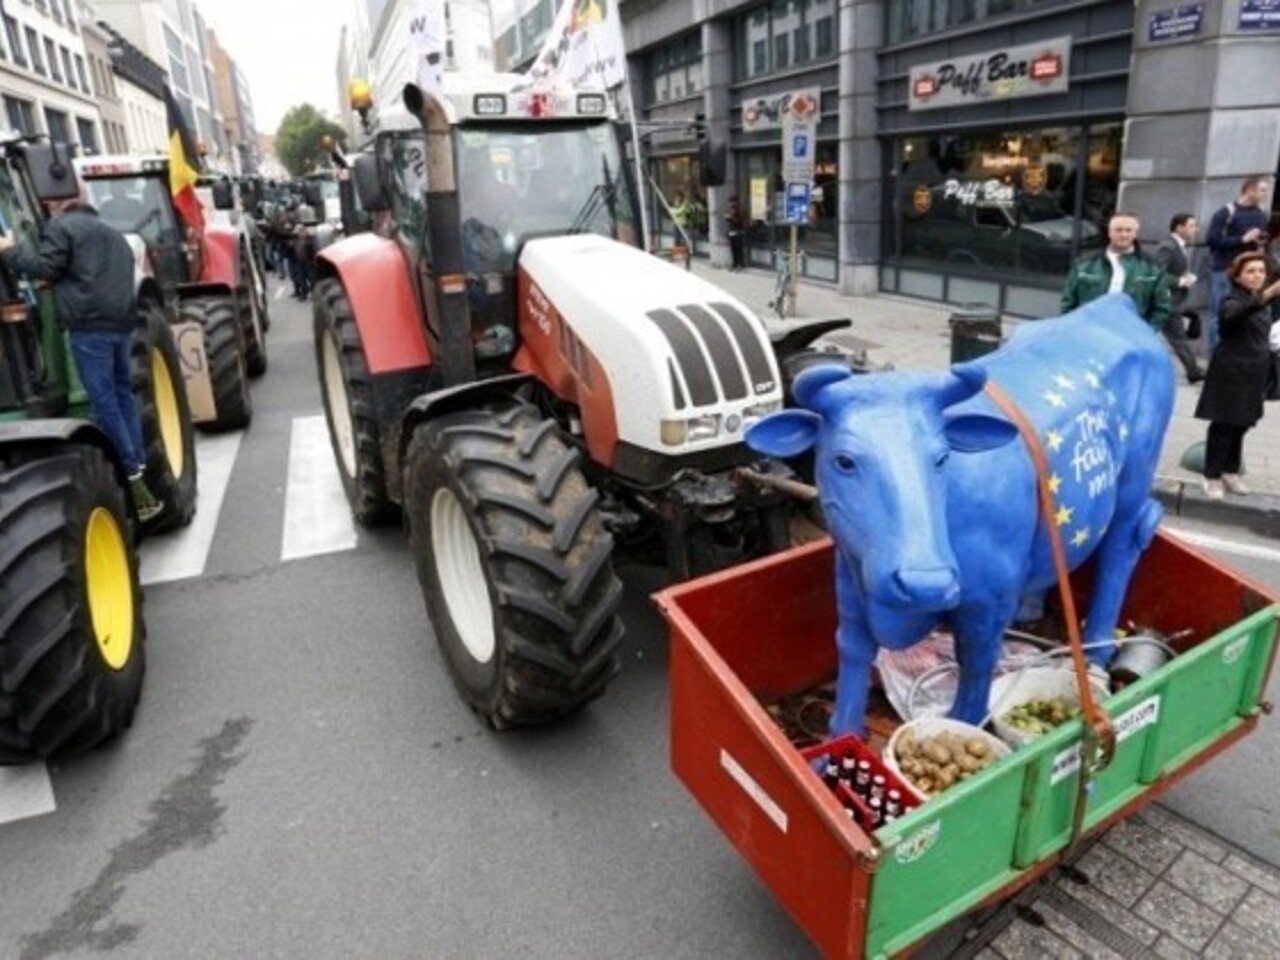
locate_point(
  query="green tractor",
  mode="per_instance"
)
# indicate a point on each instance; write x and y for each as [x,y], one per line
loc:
[71,624]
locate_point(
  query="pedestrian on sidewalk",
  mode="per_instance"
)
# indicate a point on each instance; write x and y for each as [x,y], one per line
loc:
[90,265]
[1236,228]
[737,234]
[1120,268]
[1232,398]
[1172,256]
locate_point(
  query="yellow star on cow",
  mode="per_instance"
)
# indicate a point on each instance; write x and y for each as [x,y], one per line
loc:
[1092,379]
[1055,399]
[1066,383]
[1124,431]
[1063,516]
[1055,482]
[1053,440]
[1081,537]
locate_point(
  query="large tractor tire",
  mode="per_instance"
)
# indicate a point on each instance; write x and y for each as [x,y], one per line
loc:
[514,563]
[224,352]
[71,628]
[253,318]
[349,410]
[167,431]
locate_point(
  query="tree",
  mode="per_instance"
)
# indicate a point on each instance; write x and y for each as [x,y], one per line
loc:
[298,141]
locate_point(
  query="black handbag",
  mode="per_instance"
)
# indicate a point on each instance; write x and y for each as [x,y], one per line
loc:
[1273,378]
[1194,327]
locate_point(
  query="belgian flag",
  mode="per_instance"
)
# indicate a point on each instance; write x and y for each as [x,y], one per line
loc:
[183,167]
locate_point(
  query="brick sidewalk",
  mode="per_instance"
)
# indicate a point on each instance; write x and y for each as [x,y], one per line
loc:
[913,334]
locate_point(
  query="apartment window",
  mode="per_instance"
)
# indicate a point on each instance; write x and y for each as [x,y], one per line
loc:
[55,9]
[52,55]
[71,20]
[21,115]
[67,66]
[42,6]
[785,34]
[88,135]
[33,48]
[15,41]
[56,120]
[676,68]
[84,79]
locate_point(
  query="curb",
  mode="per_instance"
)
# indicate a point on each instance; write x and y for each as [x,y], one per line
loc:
[1257,512]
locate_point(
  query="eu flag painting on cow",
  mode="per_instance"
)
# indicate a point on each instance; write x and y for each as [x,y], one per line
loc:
[930,493]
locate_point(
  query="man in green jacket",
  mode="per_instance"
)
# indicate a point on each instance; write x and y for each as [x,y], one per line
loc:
[1120,268]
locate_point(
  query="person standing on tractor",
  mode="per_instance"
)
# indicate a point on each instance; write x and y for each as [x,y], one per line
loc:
[90,266]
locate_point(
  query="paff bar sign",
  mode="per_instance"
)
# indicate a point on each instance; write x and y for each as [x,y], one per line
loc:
[1030,70]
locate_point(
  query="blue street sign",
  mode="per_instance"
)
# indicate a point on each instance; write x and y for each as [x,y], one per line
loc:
[797,203]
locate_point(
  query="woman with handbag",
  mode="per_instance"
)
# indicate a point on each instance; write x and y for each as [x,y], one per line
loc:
[1237,379]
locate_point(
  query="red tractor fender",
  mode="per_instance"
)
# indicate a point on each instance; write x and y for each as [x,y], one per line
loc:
[221,261]
[376,279]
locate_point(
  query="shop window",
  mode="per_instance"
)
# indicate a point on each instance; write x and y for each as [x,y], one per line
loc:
[1001,203]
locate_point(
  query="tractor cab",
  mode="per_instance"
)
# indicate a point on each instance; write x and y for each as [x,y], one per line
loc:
[132,194]
[519,165]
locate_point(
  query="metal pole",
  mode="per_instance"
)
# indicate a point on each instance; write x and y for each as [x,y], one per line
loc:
[791,274]
[641,199]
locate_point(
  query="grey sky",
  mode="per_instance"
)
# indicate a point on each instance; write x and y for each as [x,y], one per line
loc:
[288,50]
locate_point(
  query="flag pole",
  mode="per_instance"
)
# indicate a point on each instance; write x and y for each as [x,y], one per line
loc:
[641,196]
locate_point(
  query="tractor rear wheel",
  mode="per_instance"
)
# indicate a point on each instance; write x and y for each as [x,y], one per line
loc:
[349,410]
[167,431]
[253,319]
[224,352]
[71,648]
[514,563]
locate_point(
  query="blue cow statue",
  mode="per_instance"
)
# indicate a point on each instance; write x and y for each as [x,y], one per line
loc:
[931,496]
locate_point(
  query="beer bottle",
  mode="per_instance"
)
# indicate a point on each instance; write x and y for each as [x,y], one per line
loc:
[878,787]
[862,779]
[893,804]
[876,817]
[847,767]
[831,774]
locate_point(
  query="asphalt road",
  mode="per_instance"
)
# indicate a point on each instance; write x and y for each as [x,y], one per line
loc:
[302,780]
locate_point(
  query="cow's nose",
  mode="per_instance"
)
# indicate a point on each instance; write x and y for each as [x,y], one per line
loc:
[936,587]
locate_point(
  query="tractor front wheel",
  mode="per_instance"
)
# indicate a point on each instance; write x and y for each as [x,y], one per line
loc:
[253,318]
[225,355]
[167,432]
[349,409]
[514,563]
[71,648]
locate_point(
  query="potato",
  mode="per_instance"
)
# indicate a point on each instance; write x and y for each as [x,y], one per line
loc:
[976,747]
[936,752]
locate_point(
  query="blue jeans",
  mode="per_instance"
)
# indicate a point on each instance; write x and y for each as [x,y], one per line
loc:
[102,359]
[1219,287]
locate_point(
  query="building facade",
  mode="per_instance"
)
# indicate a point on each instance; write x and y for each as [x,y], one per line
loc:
[172,33]
[964,151]
[233,104]
[44,75]
[111,109]
[140,83]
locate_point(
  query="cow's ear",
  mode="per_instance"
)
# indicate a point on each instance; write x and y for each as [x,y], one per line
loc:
[814,380]
[785,434]
[973,433]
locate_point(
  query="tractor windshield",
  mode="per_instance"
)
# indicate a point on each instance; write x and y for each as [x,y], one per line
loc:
[517,182]
[142,204]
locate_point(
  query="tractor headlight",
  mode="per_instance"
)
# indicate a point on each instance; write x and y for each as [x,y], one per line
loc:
[704,428]
[761,410]
[674,432]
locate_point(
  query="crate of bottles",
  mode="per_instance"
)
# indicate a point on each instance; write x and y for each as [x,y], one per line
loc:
[862,883]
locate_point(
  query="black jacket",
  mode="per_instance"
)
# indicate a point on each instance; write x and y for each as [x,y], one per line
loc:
[90,265]
[1175,261]
[1237,377]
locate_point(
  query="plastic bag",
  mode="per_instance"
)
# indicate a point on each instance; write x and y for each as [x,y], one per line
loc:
[921,681]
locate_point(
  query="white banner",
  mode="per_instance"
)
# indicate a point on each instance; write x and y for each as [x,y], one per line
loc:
[800,139]
[584,48]
[426,41]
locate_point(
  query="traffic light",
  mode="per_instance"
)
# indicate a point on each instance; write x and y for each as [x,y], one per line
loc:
[711,157]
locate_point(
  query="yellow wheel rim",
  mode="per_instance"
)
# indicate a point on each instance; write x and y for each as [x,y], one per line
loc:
[168,413]
[109,586]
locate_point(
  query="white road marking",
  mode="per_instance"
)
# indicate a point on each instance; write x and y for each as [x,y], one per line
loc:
[1234,547]
[183,553]
[25,792]
[316,516]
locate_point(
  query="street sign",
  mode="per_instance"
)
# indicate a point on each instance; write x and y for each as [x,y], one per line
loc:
[797,203]
[800,139]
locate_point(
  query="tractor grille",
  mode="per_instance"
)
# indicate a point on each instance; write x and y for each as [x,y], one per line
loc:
[711,346]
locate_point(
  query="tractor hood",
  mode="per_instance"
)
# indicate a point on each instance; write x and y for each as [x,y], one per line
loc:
[687,366]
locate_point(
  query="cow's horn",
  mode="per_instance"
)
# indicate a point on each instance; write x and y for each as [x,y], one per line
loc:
[965,381]
[814,380]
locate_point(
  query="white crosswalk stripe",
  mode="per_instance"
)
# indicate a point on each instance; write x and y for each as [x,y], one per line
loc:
[183,553]
[316,516]
[25,792]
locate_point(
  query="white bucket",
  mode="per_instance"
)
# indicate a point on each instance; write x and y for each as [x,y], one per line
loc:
[925,727]
[1036,683]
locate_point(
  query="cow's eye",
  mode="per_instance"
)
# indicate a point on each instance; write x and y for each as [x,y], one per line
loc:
[844,463]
